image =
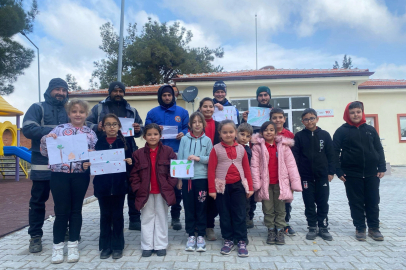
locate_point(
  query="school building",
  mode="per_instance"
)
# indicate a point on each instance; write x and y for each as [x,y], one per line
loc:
[326,90]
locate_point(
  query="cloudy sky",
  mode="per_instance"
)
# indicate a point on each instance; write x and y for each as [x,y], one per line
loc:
[291,34]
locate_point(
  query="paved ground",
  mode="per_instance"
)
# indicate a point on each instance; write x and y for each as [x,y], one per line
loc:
[14,202]
[342,253]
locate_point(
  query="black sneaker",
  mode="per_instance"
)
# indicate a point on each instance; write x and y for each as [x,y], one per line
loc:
[146,253]
[117,254]
[375,234]
[360,234]
[35,244]
[312,234]
[105,253]
[176,225]
[135,225]
[289,231]
[323,232]
[161,252]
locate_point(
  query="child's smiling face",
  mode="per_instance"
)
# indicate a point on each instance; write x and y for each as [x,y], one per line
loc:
[309,120]
[269,134]
[227,134]
[279,120]
[355,115]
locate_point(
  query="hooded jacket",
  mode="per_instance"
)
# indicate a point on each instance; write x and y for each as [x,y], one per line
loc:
[288,174]
[200,147]
[225,102]
[140,177]
[38,121]
[359,149]
[169,116]
[113,183]
[314,154]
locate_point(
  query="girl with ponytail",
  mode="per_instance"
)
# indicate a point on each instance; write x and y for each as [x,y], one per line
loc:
[110,189]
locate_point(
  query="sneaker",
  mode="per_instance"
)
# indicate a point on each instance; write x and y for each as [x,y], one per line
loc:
[323,232]
[280,237]
[57,253]
[146,253]
[73,252]
[375,234]
[105,253]
[117,254]
[242,249]
[135,225]
[360,235]
[250,223]
[176,225]
[312,234]
[191,244]
[227,248]
[200,244]
[161,252]
[35,244]
[271,240]
[210,235]
[289,231]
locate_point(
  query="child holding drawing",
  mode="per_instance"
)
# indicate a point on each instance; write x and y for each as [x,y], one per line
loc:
[195,146]
[69,182]
[110,190]
[154,186]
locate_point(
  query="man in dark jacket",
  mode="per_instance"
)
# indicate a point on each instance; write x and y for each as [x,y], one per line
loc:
[169,114]
[38,121]
[314,154]
[220,93]
[115,103]
[362,165]
[264,100]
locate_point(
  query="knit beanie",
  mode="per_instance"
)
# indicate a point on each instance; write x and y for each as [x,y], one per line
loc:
[219,85]
[115,85]
[263,89]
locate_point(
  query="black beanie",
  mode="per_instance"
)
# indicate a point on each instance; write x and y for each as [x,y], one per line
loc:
[115,85]
[57,82]
[219,85]
[167,89]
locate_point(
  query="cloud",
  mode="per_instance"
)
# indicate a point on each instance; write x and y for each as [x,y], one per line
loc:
[390,71]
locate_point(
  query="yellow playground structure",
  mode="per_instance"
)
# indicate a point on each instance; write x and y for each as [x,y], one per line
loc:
[14,150]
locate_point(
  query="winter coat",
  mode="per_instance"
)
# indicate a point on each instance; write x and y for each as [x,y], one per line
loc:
[359,150]
[288,174]
[314,154]
[225,102]
[200,147]
[140,177]
[112,183]
[68,130]
[38,121]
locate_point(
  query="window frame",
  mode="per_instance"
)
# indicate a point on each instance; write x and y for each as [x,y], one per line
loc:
[376,121]
[399,130]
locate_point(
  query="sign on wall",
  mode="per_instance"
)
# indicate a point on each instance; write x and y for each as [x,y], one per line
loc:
[325,113]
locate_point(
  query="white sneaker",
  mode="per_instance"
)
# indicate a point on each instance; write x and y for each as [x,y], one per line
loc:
[200,244]
[73,252]
[57,253]
[191,244]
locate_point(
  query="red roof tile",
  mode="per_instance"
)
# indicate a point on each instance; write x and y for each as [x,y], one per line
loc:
[131,90]
[377,83]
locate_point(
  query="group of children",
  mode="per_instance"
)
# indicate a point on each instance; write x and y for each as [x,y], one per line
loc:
[230,166]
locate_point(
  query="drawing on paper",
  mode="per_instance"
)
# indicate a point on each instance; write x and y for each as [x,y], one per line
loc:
[182,168]
[228,113]
[107,161]
[257,116]
[127,126]
[65,149]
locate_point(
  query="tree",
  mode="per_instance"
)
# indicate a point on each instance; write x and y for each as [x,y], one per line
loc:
[14,58]
[155,56]
[347,63]
[72,83]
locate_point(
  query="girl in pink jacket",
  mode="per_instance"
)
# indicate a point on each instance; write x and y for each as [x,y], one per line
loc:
[274,176]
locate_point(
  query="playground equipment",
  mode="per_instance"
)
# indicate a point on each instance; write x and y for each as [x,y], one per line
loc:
[14,150]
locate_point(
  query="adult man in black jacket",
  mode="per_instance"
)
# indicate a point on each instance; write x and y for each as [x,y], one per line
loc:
[38,121]
[314,154]
[264,100]
[115,103]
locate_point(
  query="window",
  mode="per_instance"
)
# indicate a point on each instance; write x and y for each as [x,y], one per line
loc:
[402,127]
[292,106]
[372,120]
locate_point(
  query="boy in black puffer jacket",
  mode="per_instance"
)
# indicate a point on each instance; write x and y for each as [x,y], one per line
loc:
[314,154]
[362,164]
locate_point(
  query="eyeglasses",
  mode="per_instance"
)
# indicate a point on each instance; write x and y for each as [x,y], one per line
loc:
[114,125]
[309,119]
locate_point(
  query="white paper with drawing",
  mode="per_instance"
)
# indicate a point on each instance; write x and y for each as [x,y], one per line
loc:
[66,149]
[107,161]
[127,126]
[228,112]
[257,116]
[182,168]
[169,132]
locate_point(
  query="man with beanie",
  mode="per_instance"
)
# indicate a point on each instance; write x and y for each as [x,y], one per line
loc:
[220,93]
[264,100]
[169,114]
[38,121]
[115,103]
